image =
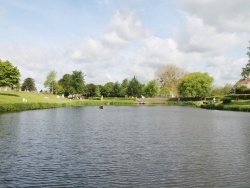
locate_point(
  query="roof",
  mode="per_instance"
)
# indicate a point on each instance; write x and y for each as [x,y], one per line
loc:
[245,81]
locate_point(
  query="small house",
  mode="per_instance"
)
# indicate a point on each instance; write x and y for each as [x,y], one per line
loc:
[245,82]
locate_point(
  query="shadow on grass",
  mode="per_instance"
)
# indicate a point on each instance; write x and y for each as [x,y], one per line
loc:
[9,94]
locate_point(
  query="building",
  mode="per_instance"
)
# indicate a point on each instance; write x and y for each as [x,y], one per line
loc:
[245,82]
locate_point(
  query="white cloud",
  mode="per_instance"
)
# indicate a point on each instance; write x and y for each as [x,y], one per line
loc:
[89,50]
[127,26]
[230,15]
[195,36]
[113,40]
[36,62]
[127,48]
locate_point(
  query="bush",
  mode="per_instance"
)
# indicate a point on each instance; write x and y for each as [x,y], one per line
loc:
[226,100]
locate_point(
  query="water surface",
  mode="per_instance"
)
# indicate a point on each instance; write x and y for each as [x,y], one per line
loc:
[138,146]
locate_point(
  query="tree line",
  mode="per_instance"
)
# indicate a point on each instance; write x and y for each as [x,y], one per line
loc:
[75,84]
[170,81]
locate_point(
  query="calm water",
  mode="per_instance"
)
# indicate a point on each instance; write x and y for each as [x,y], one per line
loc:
[156,146]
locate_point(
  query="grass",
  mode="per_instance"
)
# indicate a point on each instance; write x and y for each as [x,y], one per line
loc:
[32,97]
[235,105]
[13,101]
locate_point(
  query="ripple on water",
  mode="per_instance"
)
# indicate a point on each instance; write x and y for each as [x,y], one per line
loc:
[125,147]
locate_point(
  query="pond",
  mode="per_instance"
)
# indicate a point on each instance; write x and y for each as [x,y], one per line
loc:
[131,146]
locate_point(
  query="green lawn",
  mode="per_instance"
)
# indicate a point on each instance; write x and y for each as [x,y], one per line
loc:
[32,97]
[13,101]
[12,97]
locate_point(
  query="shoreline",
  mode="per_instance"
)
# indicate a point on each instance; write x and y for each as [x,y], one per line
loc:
[13,102]
[18,107]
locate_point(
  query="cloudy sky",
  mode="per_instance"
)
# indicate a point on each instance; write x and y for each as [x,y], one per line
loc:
[110,40]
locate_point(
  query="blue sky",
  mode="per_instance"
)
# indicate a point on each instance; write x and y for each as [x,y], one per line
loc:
[110,40]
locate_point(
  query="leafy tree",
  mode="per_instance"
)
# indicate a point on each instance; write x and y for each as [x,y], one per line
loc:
[164,92]
[108,89]
[218,91]
[246,70]
[151,89]
[57,89]
[9,75]
[98,91]
[90,90]
[77,82]
[50,80]
[124,87]
[28,84]
[65,81]
[117,89]
[134,88]
[169,76]
[195,85]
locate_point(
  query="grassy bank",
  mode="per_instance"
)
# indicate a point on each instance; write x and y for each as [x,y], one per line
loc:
[235,105]
[13,101]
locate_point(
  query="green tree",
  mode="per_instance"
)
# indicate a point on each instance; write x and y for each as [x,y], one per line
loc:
[108,89]
[98,91]
[9,75]
[117,89]
[50,80]
[219,91]
[134,88]
[124,87]
[65,81]
[77,82]
[57,89]
[195,85]
[90,90]
[29,85]
[246,70]
[164,92]
[151,89]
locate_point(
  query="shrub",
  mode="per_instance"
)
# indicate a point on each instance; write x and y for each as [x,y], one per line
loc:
[226,100]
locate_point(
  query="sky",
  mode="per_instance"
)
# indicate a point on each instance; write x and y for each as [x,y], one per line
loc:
[110,40]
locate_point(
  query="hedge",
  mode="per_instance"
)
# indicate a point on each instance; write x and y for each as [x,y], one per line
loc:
[239,96]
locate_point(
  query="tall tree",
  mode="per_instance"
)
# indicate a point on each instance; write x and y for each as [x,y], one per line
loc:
[98,91]
[90,90]
[246,70]
[29,85]
[77,82]
[117,89]
[169,76]
[108,89]
[9,75]
[195,85]
[65,81]
[124,87]
[134,88]
[50,80]
[151,89]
